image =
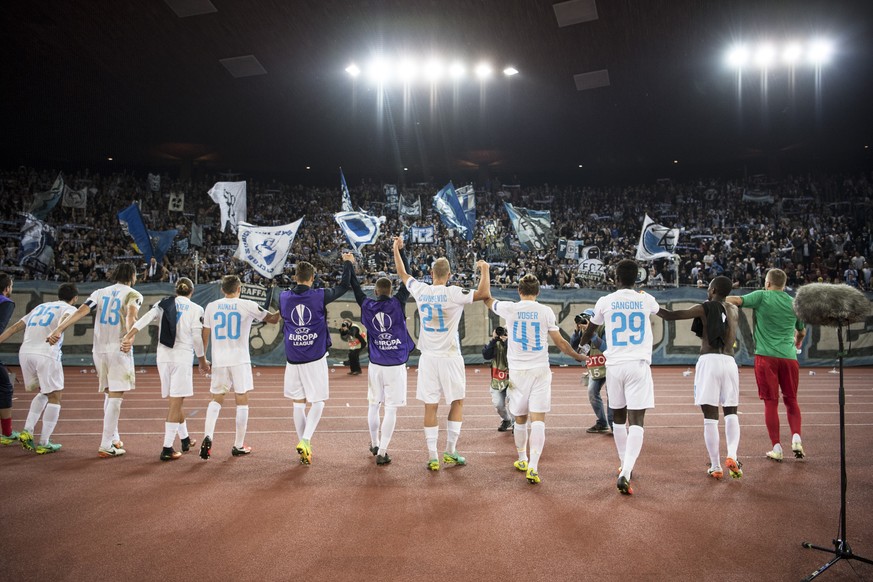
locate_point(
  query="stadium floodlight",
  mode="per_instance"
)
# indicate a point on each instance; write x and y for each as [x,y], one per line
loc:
[434,70]
[483,70]
[580,165]
[820,52]
[738,56]
[457,70]
[792,53]
[406,70]
[510,71]
[764,55]
[379,71]
[353,70]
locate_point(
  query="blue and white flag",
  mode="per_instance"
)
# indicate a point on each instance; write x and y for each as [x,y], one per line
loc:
[532,227]
[410,206]
[449,208]
[347,197]
[231,198]
[266,248]
[467,198]
[162,241]
[196,235]
[360,228]
[133,224]
[37,240]
[422,235]
[75,198]
[656,241]
[43,202]
[391,197]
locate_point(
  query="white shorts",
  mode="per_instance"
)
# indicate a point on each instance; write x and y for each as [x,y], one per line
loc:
[115,371]
[531,391]
[177,379]
[237,378]
[386,384]
[441,375]
[307,381]
[41,372]
[629,384]
[716,381]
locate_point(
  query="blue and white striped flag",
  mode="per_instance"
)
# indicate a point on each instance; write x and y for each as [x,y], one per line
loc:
[266,248]
[360,228]
[35,249]
[533,227]
[347,198]
[467,198]
[448,206]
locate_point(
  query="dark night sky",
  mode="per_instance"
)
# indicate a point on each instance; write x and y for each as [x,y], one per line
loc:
[83,81]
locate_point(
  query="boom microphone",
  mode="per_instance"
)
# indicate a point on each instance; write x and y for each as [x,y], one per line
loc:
[831,305]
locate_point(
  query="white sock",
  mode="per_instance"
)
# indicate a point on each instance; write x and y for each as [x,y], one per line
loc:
[37,405]
[632,449]
[373,422]
[111,412]
[521,441]
[242,422]
[49,421]
[106,399]
[211,418]
[537,441]
[431,433]
[170,430]
[453,432]
[619,433]
[710,437]
[388,424]
[300,419]
[312,419]
[183,429]
[732,434]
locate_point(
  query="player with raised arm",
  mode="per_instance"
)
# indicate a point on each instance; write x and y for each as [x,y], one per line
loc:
[228,323]
[307,340]
[629,387]
[716,377]
[180,332]
[441,366]
[385,319]
[115,310]
[41,366]
[530,325]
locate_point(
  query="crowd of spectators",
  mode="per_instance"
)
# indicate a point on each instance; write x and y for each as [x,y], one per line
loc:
[817,228]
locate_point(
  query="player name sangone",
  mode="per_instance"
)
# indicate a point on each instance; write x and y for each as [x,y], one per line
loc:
[627,305]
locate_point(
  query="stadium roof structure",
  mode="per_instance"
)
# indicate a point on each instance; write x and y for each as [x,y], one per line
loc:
[261,85]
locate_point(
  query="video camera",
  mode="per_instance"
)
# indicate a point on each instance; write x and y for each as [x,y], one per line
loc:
[582,318]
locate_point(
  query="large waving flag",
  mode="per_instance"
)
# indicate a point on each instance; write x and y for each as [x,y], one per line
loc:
[410,206]
[133,224]
[43,202]
[656,241]
[532,227]
[467,198]
[449,208]
[231,198]
[347,197]
[162,241]
[360,228]
[266,248]
[37,239]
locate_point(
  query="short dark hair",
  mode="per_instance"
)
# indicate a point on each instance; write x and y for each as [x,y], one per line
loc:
[124,273]
[305,272]
[67,292]
[5,281]
[230,284]
[529,285]
[626,272]
[722,286]
[383,286]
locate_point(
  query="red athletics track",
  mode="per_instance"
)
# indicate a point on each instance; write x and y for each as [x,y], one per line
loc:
[72,516]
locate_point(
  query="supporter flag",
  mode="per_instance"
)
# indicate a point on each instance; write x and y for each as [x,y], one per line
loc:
[231,198]
[196,235]
[391,198]
[266,248]
[347,197]
[155,182]
[467,198]
[43,202]
[410,207]
[177,202]
[75,198]
[758,196]
[37,240]
[183,245]
[161,241]
[532,227]
[422,235]
[132,224]
[360,228]
[449,208]
[656,241]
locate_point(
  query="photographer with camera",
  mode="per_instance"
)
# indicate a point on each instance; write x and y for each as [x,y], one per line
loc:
[596,371]
[495,350]
[357,339]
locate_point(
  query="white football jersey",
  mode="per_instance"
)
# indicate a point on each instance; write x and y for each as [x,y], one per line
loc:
[189,324]
[110,325]
[39,324]
[528,324]
[628,328]
[440,308]
[231,322]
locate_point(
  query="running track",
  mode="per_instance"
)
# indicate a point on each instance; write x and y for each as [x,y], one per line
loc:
[72,516]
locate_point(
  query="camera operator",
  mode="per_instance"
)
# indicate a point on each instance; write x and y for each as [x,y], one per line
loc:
[495,351]
[357,339]
[596,371]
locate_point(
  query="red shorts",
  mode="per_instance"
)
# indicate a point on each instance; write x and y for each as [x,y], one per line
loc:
[775,373]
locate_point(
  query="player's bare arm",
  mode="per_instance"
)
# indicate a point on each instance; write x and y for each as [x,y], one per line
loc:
[565,346]
[484,289]
[55,336]
[734,300]
[690,313]
[12,330]
[398,262]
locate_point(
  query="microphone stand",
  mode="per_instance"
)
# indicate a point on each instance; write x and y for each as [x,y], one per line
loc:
[841,549]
